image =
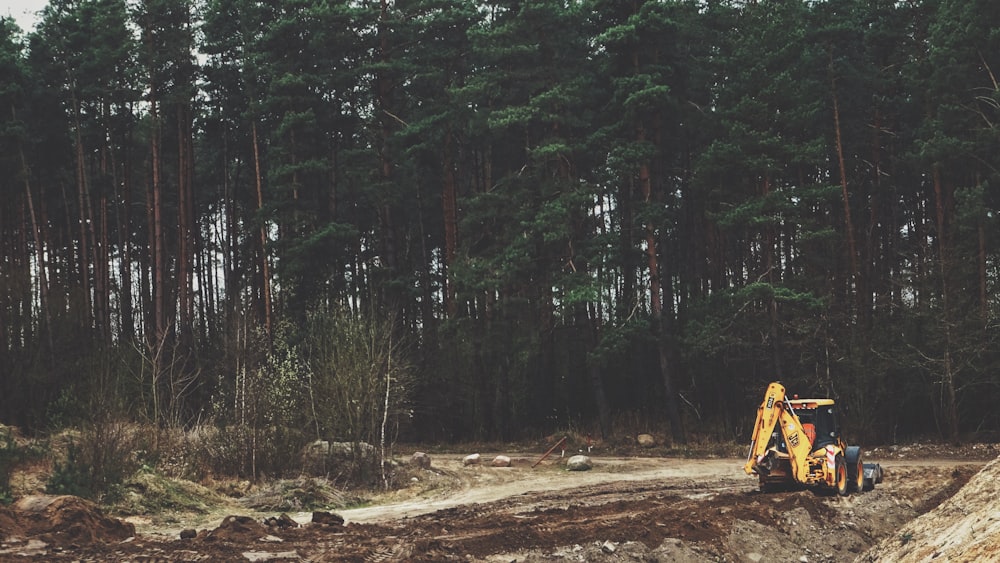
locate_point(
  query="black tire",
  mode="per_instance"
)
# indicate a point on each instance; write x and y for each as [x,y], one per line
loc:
[855,469]
[874,476]
[840,469]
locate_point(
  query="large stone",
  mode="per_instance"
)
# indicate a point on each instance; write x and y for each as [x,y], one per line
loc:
[579,463]
[319,456]
[646,440]
[421,460]
[471,459]
[283,521]
[341,450]
[327,519]
[500,461]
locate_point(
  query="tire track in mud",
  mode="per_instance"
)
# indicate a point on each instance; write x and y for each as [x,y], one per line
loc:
[625,511]
[700,513]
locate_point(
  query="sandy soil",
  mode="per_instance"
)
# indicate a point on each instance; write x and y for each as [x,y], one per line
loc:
[965,527]
[624,509]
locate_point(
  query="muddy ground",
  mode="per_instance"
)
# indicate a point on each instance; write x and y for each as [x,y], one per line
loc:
[624,509]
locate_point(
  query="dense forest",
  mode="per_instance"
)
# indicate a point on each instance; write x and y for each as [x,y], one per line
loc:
[500,219]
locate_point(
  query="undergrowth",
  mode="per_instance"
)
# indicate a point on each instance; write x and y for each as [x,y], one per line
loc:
[302,494]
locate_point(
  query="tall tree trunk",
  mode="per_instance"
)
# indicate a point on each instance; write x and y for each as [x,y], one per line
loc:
[127,326]
[773,278]
[842,168]
[949,402]
[656,306]
[661,326]
[449,203]
[387,210]
[85,218]
[629,298]
[147,299]
[428,322]
[983,264]
[983,296]
[159,249]
[40,250]
[591,322]
[185,250]
[265,269]
[231,238]
[102,249]
[102,274]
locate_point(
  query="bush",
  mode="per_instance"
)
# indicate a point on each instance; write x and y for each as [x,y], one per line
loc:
[341,377]
[10,455]
[260,408]
[97,465]
[71,477]
[297,495]
[247,451]
[359,383]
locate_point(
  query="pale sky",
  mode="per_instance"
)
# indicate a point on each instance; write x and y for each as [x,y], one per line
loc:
[23,11]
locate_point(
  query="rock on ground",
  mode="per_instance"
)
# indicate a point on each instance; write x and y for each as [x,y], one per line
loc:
[421,460]
[471,459]
[327,519]
[500,461]
[646,440]
[579,463]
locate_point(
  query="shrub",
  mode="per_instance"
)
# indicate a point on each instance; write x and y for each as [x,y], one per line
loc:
[341,377]
[98,463]
[359,383]
[10,455]
[70,477]
[260,413]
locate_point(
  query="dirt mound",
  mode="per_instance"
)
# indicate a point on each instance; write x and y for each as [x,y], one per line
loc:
[8,524]
[964,527]
[237,529]
[64,521]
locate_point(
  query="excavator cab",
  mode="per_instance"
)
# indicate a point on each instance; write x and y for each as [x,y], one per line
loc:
[819,423]
[819,420]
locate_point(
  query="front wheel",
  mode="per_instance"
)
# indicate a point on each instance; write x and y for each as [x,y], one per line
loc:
[841,471]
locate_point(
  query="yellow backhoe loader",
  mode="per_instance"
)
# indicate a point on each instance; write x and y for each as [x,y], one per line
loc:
[798,441]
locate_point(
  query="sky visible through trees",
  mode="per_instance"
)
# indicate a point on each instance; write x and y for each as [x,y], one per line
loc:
[509,218]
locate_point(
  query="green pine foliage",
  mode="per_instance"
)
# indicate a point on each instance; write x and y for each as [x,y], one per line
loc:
[571,214]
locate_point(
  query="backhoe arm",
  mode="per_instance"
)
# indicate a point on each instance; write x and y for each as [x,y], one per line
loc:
[775,411]
[767,417]
[796,442]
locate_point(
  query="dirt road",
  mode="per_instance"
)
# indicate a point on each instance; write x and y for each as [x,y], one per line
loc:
[624,509]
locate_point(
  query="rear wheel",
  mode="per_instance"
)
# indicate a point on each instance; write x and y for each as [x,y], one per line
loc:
[855,469]
[841,470]
[873,475]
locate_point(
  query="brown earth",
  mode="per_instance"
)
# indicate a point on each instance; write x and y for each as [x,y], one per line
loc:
[625,509]
[965,527]
[63,522]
